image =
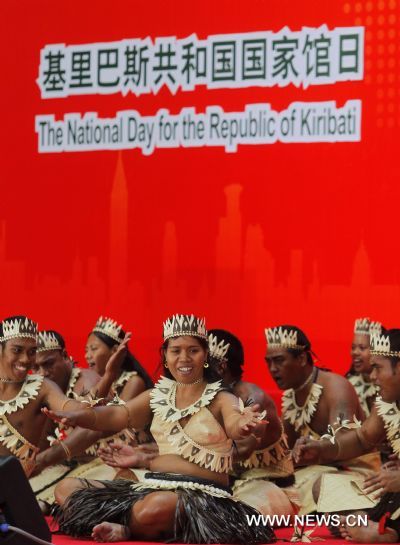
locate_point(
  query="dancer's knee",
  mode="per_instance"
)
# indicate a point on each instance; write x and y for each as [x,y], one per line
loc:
[156,509]
[65,488]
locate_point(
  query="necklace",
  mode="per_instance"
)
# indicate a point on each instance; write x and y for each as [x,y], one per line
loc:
[29,390]
[189,383]
[10,381]
[162,400]
[309,379]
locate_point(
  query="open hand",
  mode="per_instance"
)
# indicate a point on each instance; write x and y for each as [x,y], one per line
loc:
[125,456]
[114,363]
[387,480]
[393,463]
[251,420]
[68,418]
[306,451]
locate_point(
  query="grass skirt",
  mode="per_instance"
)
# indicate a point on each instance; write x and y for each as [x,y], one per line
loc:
[205,512]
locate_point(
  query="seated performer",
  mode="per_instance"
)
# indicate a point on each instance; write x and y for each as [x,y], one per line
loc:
[185,496]
[359,373]
[102,342]
[110,362]
[314,401]
[23,395]
[128,381]
[54,461]
[263,469]
[383,423]
[53,362]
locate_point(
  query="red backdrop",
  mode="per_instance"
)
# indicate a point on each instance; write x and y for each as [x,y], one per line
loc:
[283,233]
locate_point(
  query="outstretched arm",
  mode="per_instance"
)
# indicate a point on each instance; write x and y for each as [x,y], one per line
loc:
[348,444]
[135,413]
[56,400]
[74,445]
[238,423]
[266,434]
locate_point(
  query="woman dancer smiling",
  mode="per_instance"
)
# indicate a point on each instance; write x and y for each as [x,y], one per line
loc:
[185,497]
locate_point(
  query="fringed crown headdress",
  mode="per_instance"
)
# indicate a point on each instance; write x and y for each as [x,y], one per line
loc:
[364,326]
[380,346]
[48,341]
[108,327]
[183,324]
[15,328]
[282,337]
[218,349]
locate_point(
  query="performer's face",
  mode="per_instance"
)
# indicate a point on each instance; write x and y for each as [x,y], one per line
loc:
[386,377]
[53,364]
[285,368]
[185,358]
[97,354]
[17,357]
[360,354]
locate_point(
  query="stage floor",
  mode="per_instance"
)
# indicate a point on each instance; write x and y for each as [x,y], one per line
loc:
[319,534]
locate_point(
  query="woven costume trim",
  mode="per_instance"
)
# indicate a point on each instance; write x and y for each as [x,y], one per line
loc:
[390,415]
[300,416]
[124,377]
[199,455]
[29,391]
[162,400]
[364,390]
[15,442]
[75,374]
[267,456]
[158,484]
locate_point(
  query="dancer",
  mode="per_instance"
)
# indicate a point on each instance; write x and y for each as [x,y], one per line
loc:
[23,394]
[359,373]
[186,496]
[315,402]
[264,474]
[383,423]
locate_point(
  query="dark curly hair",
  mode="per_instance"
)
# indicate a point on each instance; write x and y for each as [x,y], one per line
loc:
[235,354]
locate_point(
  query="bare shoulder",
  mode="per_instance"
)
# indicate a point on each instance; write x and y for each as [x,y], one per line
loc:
[223,397]
[143,396]
[135,379]
[88,378]
[133,388]
[141,401]
[50,388]
[89,373]
[249,390]
[334,383]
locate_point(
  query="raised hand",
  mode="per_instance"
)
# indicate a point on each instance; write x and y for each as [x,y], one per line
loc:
[306,451]
[114,363]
